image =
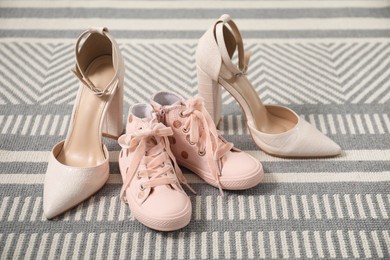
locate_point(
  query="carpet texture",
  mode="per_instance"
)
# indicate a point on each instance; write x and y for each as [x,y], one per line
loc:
[327,60]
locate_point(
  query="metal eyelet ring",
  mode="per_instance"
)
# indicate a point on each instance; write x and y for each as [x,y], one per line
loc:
[185,130]
[189,140]
[181,114]
[202,153]
[141,187]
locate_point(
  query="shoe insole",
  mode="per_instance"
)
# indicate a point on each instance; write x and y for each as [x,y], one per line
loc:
[264,120]
[83,147]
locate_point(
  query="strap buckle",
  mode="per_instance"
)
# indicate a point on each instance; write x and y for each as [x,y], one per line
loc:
[242,72]
[239,74]
[234,76]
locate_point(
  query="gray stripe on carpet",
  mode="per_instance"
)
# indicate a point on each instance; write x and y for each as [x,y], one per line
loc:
[279,167]
[293,34]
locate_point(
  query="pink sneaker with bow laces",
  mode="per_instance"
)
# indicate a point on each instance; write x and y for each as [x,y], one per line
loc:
[151,176]
[198,146]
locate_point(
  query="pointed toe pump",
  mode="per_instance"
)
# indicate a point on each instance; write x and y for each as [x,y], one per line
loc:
[78,166]
[277,130]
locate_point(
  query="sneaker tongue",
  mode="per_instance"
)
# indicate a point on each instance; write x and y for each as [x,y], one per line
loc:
[151,143]
[162,188]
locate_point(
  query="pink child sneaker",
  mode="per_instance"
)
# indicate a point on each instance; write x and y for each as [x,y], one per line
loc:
[198,146]
[151,182]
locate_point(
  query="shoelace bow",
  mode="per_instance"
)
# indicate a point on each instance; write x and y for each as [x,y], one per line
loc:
[211,143]
[153,156]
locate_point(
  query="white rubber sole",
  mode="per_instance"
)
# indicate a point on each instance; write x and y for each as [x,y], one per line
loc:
[248,182]
[171,223]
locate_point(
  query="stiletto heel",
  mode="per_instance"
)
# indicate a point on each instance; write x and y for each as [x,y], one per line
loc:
[79,166]
[277,130]
[113,123]
[211,91]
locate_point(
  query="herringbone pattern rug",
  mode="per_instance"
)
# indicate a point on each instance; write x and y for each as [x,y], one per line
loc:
[328,60]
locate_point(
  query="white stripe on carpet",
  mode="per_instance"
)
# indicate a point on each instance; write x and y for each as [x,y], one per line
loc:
[292,177]
[193,4]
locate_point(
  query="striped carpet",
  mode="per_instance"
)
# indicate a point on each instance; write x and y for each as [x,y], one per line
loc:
[328,60]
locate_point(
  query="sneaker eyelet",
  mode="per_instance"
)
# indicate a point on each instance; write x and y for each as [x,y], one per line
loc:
[141,187]
[202,153]
[185,130]
[189,140]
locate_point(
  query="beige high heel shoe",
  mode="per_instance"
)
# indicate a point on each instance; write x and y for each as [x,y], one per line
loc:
[277,130]
[78,166]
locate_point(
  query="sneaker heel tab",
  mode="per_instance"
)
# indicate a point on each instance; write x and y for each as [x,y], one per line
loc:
[224,18]
[155,106]
[100,30]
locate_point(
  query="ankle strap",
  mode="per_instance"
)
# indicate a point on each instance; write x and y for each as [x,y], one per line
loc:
[116,59]
[242,57]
